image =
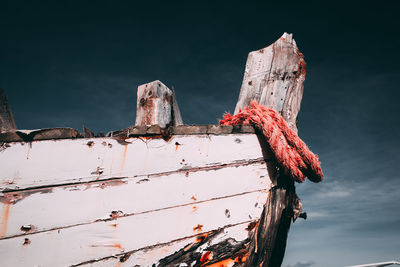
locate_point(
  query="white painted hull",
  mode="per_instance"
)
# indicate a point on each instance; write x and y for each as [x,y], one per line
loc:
[107,202]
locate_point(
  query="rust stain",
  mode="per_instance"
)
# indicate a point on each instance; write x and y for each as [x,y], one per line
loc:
[29,149]
[193,198]
[177,146]
[187,174]
[224,263]
[118,246]
[251,226]
[4,221]
[149,109]
[151,137]
[116,214]
[114,225]
[242,257]
[198,228]
[206,257]
[194,208]
[201,238]
[302,67]
[103,185]
[123,158]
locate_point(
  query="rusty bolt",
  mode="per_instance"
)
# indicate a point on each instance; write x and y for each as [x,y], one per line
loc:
[142,101]
[26,227]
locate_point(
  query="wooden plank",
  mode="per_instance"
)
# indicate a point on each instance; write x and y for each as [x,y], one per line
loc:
[7,122]
[274,76]
[176,113]
[86,203]
[101,239]
[152,255]
[54,162]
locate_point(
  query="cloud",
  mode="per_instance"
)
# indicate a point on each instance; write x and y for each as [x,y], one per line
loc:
[302,264]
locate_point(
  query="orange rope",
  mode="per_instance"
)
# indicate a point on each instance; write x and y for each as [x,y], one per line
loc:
[291,152]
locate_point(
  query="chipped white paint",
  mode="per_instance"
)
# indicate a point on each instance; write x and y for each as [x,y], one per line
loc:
[73,245]
[53,162]
[156,192]
[146,257]
[129,195]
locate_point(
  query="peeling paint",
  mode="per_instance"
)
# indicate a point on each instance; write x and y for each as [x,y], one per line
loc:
[224,263]
[177,145]
[26,242]
[116,214]
[251,226]
[198,228]
[206,257]
[98,171]
[15,196]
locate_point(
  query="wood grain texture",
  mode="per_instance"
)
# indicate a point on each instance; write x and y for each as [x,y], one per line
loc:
[176,113]
[81,243]
[274,76]
[187,251]
[54,162]
[101,200]
[269,240]
[7,122]
[154,104]
[157,105]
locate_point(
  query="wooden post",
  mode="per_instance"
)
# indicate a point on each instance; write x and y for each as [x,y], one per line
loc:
[7,122]
[156,104]
[274,76]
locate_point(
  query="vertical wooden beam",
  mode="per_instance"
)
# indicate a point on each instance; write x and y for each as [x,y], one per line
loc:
[274,76]
[176,113]
[7,122]
[156,104]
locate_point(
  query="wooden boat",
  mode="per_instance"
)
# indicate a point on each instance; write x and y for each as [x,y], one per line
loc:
[158,193]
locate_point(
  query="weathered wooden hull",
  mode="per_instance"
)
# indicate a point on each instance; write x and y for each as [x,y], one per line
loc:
[190,199]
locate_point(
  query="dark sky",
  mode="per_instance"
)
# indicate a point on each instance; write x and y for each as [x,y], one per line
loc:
[69,63]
